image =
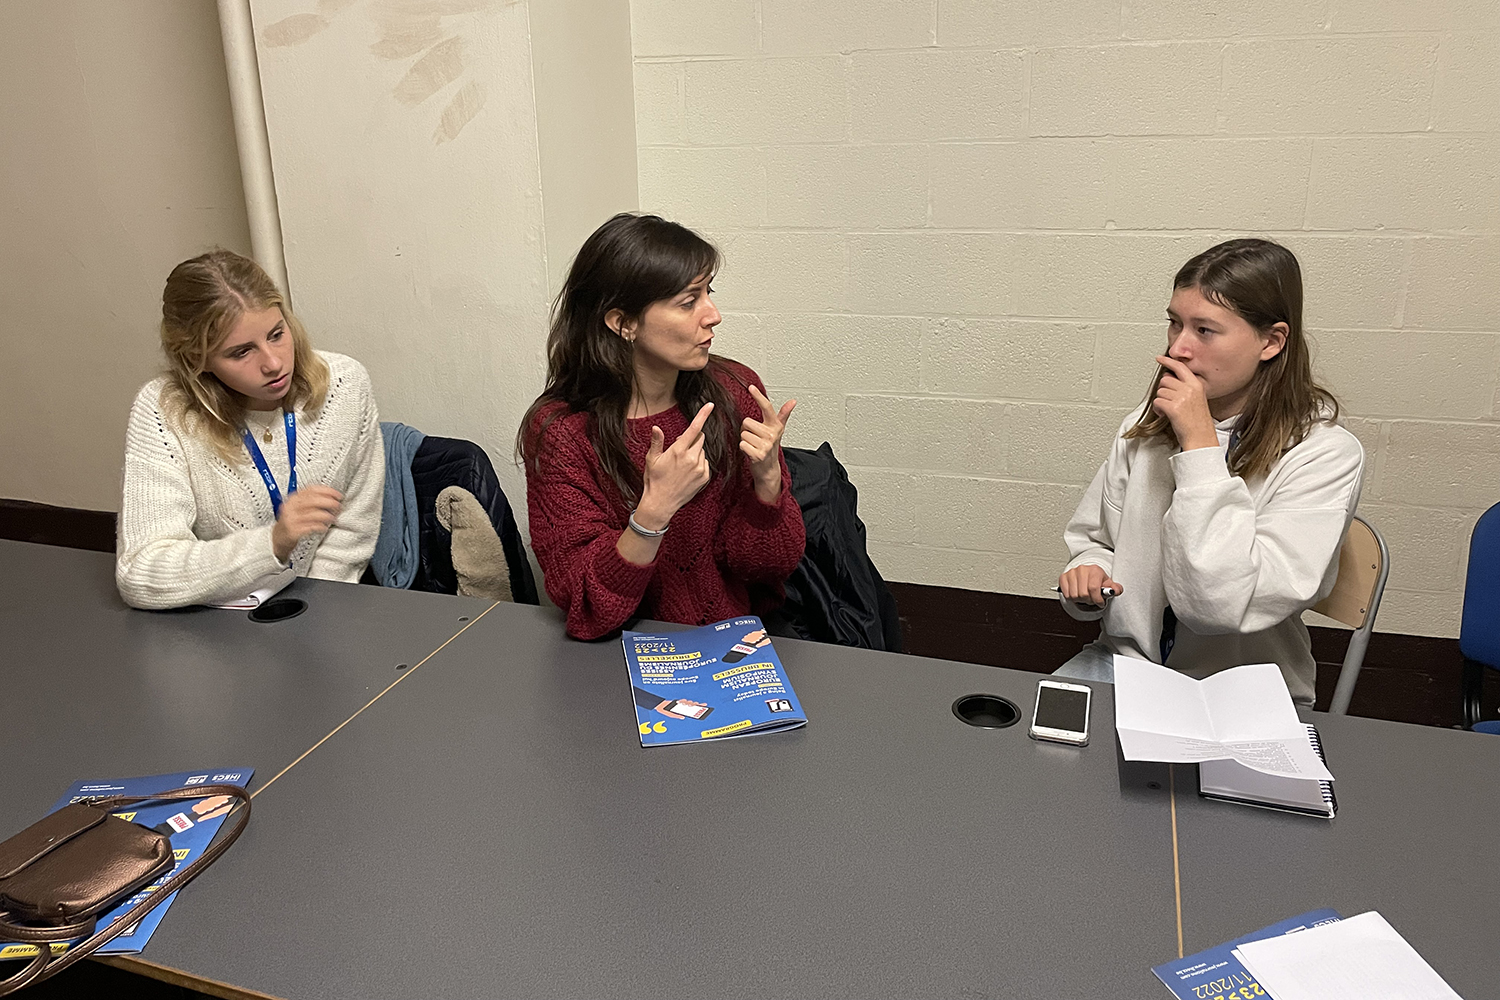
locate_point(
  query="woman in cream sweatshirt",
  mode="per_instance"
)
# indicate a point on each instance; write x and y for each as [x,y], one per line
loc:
[251,455]
[1217,518]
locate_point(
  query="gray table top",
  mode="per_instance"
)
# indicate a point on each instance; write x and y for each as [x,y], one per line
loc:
[96,689]
[493,828]
[1417,837]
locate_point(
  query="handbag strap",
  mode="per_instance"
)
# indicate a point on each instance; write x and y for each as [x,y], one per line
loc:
[31,934]
[40,968]
[28,973]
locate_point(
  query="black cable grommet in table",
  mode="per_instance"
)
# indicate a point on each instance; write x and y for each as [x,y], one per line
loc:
[986,711]
[278,610]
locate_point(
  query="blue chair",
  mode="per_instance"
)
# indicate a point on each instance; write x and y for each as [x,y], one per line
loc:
[1479,632]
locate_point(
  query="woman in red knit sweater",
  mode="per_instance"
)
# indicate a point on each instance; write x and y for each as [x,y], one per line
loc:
[654,474]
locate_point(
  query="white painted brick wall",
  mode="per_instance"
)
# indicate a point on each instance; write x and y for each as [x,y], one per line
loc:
[727,101]
[837,351]
[976,22]
[1336,85]
[802,26]
[937,94]
[1036,359]
[888,183]
[1467,90]
[1033,184]
[1153,19]
[949,229]
[1161,89]
[1421,182]
[700,27]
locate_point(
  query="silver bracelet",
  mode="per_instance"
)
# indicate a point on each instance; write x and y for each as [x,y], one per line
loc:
[646,532]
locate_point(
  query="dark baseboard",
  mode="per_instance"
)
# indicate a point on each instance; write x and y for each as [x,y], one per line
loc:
[24,521]
[1406,678]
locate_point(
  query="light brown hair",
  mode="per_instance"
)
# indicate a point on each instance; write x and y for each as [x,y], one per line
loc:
[203,300]
[1262,283]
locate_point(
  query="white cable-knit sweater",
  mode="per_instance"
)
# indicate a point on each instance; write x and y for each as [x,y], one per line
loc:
[196,530]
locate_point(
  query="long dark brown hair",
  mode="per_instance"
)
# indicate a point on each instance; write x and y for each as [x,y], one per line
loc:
[1261,282]
[627,264]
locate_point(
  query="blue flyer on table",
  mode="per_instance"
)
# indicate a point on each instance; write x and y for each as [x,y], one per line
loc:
[708,683]
[1216,974]
[190,824]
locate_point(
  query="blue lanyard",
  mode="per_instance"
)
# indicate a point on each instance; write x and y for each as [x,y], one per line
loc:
[265,470]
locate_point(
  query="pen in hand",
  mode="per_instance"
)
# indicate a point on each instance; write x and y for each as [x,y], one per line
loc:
[1108,592]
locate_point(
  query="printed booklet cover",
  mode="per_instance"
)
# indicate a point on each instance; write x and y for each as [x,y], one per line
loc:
[1216,974]
[709,683]
[189,824]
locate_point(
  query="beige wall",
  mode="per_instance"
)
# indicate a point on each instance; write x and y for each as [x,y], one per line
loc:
[585,120]
[416,191]
[950,228]
[117,160]
[949,225]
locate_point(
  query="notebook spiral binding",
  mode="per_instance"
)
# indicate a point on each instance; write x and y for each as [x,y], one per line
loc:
[1326,787]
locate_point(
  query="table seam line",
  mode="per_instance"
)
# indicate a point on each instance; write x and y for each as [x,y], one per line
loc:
[1176,867]
[139,966]
[417,666]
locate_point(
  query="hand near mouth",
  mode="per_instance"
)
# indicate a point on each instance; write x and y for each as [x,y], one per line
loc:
[1182,398]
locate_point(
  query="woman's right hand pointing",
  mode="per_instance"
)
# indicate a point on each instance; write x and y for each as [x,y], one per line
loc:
[673,476]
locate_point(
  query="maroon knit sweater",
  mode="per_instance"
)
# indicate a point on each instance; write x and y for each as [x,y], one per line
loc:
[719,543]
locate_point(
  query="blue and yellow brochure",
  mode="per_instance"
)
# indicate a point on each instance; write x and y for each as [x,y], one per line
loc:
[1216,974]
[709,683]
[190,824]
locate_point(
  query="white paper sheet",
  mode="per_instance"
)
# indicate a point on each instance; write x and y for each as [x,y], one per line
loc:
[1243,714]
[1361,958]
[264,590]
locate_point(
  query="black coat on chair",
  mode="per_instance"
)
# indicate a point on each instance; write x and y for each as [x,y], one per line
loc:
[835,594]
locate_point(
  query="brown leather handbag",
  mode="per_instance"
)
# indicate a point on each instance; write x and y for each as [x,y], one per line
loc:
[59,874]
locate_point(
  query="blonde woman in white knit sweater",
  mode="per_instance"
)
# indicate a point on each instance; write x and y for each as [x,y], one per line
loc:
[252,454]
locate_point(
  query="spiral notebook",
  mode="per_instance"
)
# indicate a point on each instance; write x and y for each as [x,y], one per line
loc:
[1231,781]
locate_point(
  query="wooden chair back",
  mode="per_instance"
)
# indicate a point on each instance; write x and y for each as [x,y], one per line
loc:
[1359,575]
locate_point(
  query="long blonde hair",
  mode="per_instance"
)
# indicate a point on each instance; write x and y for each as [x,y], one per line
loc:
[1261,282]
[203,300]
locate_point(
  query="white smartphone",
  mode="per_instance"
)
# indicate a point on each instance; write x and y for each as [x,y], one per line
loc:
[1062,712]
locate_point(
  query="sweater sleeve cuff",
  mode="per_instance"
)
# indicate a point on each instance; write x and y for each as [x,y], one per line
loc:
[270,551]
[1200,467]
[764,516]
[621,576]
[1104,559]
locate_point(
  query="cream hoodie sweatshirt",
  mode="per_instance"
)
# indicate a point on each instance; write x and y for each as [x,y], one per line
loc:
[1237,561]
